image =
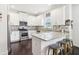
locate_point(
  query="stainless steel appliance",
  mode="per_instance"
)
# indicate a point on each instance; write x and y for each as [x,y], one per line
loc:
[23,30]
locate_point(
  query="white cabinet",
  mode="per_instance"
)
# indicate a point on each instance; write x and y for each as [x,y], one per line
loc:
[53,16]
[23,17]
[31,21]
[35,20]
[68,12]
[15,36]
[58,16]
[39,20]
[27,18]
[14,18]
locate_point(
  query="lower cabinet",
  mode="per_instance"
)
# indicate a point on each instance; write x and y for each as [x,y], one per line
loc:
[15,36]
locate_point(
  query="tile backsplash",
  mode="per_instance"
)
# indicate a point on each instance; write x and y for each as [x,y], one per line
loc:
[57,28]
[16,27]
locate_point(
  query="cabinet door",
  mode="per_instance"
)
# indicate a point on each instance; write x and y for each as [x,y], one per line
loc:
[15,36]
[53,17]
[68,12]
[31,21]
[14,19]
[35,20]
[23,17]
[39,20]
[60,16]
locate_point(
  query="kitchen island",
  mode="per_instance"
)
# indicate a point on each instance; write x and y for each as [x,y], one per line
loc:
[41,41]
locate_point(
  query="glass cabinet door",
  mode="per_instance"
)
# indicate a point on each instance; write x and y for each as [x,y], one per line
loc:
[48,22]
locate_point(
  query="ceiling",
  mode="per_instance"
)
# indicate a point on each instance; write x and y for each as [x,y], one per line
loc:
[33,9]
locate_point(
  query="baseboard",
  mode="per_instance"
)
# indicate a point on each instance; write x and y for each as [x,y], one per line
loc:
[19,41]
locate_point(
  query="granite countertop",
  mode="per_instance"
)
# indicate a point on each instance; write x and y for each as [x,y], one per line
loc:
[49,35]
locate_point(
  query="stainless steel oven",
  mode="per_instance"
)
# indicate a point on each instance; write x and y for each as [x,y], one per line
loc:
[23,30]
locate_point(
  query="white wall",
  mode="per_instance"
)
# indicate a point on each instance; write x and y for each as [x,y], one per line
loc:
[75,17]
[3,30]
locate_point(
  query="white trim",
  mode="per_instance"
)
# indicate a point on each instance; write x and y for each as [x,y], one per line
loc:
[4,52]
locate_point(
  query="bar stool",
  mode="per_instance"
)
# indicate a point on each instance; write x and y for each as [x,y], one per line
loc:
[55,47]
[67,45]
[71,47]
[64,46]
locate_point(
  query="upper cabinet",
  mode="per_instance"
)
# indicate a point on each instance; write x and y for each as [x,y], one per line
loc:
[31,21]
[68,12]
[58,16]
[23,17]
[53,16]
[39,20]
[13,18]
[35,20]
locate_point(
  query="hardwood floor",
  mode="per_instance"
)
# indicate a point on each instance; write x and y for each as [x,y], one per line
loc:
[21,48]
[25,48]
